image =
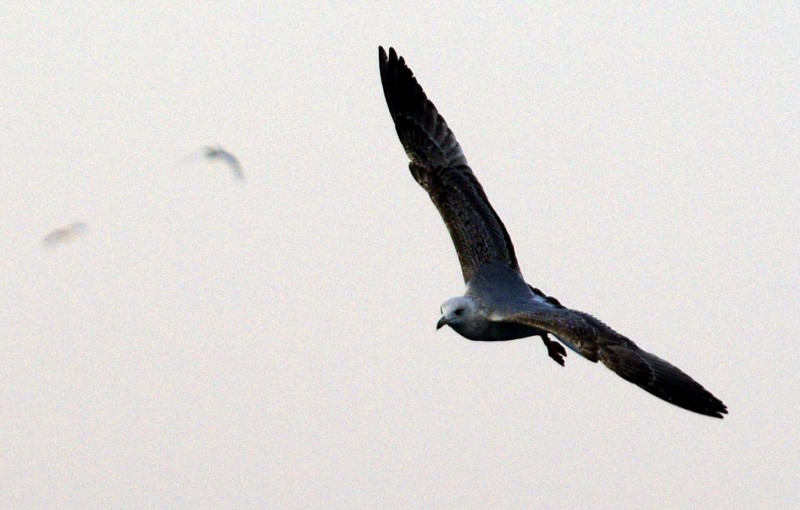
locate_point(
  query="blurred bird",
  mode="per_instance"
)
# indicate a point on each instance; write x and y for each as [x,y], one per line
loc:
[65,234]
[218,153]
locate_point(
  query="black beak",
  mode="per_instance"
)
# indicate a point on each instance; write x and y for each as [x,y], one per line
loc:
[441,323]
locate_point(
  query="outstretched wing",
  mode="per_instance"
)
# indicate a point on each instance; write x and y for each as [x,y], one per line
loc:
[598,342]
[439,166]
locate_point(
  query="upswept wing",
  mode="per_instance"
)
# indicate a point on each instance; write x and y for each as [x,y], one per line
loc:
[231,160]
[598,342]
[439,166]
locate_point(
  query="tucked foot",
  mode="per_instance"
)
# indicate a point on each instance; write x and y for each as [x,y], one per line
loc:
[555,350]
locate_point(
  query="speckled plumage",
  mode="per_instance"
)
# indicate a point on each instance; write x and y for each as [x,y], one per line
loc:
[498,304]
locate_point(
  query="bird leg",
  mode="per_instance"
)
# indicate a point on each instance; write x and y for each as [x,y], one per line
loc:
[555,350]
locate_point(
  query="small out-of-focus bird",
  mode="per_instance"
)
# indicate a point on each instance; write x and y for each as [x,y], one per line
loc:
[218,153]
[65,234]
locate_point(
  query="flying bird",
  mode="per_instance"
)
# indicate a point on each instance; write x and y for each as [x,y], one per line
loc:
[64,234]
[498,304]
[218,153]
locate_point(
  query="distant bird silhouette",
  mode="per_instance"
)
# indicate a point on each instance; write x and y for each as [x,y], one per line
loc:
[218,153]
[65,234]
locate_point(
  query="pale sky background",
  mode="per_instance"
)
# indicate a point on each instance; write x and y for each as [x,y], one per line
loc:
[270,344]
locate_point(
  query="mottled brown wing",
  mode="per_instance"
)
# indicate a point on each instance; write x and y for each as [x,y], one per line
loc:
[439,166]
[598,342]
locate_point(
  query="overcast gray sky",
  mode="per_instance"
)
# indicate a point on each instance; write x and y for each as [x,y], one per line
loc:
[209,343]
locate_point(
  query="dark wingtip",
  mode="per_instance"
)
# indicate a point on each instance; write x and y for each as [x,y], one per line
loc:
[660,378]
[705,403]
[691,395]
[383,58]
[721,410]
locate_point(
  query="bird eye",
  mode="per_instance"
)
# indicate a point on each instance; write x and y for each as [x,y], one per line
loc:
[459,312]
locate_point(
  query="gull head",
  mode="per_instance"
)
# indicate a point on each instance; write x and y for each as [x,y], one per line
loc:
[461,314]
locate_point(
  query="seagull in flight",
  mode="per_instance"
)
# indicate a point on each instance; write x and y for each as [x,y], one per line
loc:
[498,304]
[65,234]
[217,152]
